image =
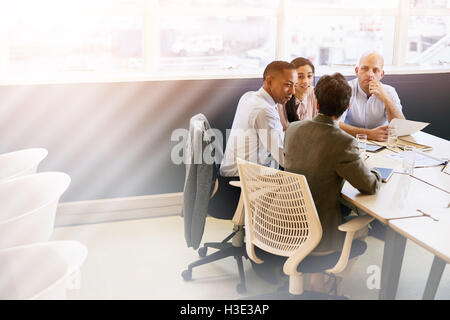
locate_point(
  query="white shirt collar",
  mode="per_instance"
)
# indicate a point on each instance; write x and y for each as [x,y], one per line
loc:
[266,96]
[361,91]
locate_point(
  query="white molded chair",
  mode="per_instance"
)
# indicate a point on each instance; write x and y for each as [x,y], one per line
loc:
[281,219]
[28,206]
[40,270]
[20,163]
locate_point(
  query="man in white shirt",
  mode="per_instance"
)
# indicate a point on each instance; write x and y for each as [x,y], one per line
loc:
[257,134]
[373,104]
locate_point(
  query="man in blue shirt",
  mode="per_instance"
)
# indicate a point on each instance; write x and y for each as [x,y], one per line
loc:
[373,104]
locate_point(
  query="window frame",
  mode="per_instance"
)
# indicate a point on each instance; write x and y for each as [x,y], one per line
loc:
[153,10]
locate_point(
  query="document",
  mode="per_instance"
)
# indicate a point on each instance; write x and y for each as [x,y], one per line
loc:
[407,127]
[414,140]
[422,160]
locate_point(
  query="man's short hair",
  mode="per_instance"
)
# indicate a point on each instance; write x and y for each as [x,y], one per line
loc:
[276,67]
[333,94]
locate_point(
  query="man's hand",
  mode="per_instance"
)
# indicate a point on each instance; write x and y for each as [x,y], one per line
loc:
[376,88]
[378,134]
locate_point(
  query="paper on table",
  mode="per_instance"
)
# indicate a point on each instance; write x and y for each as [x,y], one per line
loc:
[422,159]
[415,141]
[406,127]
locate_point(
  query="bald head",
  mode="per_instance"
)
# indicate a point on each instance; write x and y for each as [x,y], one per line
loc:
[373,55]
[369,68]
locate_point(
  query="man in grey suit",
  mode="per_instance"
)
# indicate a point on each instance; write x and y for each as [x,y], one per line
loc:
[327,156]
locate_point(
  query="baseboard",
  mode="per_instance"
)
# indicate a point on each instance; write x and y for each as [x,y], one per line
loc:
[116,209]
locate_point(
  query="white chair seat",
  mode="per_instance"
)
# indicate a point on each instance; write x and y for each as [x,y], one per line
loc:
[20,163]
[40,270]
[28,206]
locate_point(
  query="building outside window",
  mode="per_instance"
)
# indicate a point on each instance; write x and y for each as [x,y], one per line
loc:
[113,40]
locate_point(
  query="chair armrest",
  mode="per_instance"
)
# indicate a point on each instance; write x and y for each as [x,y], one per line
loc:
[216,186]
[236,184]
[356,224]
[350,227]
[291,264]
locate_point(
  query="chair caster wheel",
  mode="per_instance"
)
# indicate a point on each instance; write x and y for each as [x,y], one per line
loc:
[187,275]
[240,288]
[202,251]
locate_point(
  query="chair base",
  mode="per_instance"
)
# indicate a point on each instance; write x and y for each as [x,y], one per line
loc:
[226,249]
[285,295]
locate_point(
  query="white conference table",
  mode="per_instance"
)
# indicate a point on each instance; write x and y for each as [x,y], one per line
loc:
[400,199]
[431,233]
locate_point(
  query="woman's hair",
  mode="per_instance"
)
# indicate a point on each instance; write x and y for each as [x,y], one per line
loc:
[291,106]
[300,62]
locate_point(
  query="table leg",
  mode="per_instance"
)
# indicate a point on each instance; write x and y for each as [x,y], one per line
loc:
[394,249]
[437,268]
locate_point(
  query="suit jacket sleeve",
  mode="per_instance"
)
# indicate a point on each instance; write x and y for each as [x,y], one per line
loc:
[352,168]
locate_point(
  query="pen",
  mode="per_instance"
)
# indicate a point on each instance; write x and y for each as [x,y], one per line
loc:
[445,166]
[393,150]
[427,215]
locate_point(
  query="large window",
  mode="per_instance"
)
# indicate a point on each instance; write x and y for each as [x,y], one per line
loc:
[88,40]
[339,40]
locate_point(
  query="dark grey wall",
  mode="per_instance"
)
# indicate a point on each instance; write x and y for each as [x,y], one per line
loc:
[114,139]
[425,97]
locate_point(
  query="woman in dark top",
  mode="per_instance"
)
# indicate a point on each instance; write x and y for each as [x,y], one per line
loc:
[302,104]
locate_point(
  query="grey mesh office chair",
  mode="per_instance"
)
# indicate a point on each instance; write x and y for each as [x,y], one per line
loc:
[282,225]
[201,184]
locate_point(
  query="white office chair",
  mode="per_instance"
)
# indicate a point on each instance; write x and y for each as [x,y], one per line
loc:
[40,271]
[281,219]
[21,162]
[28,206]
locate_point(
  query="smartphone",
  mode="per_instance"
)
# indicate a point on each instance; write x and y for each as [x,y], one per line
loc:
[386,173]
[374,147]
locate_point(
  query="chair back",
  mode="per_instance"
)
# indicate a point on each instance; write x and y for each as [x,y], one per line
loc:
[200,157]
[280,215]
[28,207]
[21,162]
[202,145]
[41,271]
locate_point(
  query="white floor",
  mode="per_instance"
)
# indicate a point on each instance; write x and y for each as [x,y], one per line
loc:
[143,259]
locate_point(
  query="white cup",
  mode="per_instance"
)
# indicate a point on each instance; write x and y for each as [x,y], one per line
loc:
[409,159]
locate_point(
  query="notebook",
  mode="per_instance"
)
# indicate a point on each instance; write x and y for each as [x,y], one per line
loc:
[386,173]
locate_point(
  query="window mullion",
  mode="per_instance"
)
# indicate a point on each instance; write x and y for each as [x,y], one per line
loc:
[401,33]
[4,42]
[151,36]
[280,50]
